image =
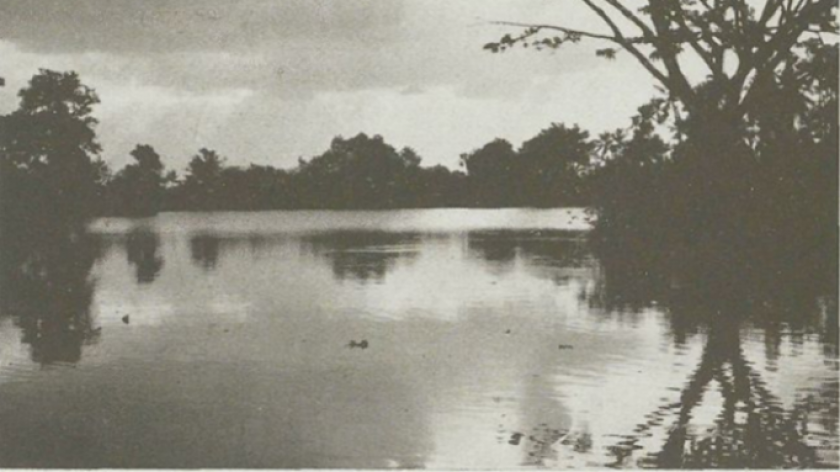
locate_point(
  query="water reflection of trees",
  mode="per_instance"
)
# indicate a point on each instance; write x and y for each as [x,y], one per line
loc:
[752,427]
[204,250]
[142,250]
[498,251]
[751,430]
[554,254]
[47,291]
[363,256]
[207,249]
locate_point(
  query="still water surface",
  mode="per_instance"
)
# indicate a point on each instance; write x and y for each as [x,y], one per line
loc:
[224,340]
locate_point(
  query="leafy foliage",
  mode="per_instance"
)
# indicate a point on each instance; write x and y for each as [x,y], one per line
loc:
[743,160]
[47,151]
[138,189]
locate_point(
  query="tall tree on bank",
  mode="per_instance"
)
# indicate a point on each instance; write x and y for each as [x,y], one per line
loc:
[551,165]
[493,173]
[47,147]
[202,184]
[137,190]
[741,114]
[362,171]
[50,179]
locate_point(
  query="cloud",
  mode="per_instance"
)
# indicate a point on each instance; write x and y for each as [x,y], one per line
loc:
[293,48]
[161,26]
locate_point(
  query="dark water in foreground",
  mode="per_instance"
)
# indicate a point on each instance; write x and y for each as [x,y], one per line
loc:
[492,342]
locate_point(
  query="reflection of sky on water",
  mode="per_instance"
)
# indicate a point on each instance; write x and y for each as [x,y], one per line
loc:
[488,347]
[307,222]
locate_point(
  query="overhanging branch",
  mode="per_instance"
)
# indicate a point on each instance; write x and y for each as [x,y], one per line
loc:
[563,29]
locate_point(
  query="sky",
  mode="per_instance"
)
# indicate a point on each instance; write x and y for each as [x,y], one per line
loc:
[267,82]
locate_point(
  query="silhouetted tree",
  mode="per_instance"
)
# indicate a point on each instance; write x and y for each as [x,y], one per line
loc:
[721,183]
[202,185]
[46,148]
[137,190]
[360,172]
[551,165]
[625,169]
[658,34]
[493,175]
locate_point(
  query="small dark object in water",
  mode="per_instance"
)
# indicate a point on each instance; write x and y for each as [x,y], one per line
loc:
[515,438]
[361,345]
[566,346]
[507,332]
[125,319]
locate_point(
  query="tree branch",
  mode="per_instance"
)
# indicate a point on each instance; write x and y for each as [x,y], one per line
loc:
[707,34]
[668,50]
[646,31]
[770,9]
[718,17]
[563,29]
[715,67]
[778,48]
[629,47]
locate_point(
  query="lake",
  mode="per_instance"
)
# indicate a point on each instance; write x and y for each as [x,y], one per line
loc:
[397,339]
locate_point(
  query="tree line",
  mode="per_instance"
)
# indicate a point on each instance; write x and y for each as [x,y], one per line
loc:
[361,172]
[50,161]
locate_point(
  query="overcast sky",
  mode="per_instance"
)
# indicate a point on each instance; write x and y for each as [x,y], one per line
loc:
[270,81]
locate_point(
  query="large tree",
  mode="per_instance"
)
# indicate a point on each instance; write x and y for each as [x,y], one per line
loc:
[358,172]
[493,174]
[751,176]
[47,147]
[745,47]
[551,164]
[202,184]
[138,188]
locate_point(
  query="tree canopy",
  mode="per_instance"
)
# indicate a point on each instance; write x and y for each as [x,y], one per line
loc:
[47,148]
[743,48]
[138,188]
